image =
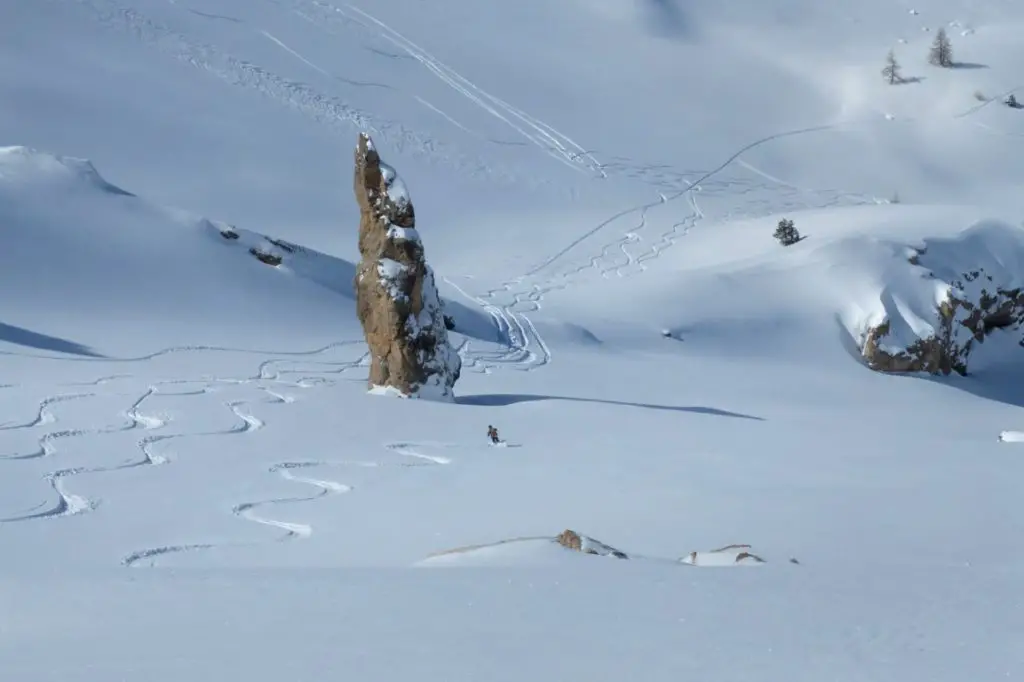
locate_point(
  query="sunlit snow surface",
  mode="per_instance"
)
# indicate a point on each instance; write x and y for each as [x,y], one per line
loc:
[195,484]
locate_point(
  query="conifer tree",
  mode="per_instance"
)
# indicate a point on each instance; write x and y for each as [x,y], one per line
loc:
[892,69]
[941,52]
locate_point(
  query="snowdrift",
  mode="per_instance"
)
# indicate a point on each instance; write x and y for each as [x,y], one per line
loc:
[92,268]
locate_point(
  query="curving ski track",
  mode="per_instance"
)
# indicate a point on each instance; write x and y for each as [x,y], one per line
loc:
[511,303]
[293,530]
[68,503]
[409,450]
[43,414]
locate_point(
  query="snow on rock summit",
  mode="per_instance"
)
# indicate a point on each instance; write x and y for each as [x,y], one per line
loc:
[396,296]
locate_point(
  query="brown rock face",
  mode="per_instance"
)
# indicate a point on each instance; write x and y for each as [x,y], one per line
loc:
[975,306]
[570,539]
[396,298]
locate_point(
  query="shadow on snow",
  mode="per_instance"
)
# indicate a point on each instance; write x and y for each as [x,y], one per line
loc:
[1001,384]
[665,18]
[25,337]
[505,399]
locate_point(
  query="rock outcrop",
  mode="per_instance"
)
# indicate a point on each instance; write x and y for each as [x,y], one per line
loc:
[975,305]
[570,539]
[396,297]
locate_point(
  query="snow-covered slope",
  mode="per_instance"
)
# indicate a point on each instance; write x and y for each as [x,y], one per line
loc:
[194,483]
[106,271]
[854,269]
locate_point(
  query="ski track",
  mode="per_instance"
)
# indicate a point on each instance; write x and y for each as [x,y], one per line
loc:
[151,555]
[44,416]
[525,350]
[323,15]
[511,303]
[278,397]
[70,504]
[100,381]
[551,141]
[323,108]
[294,530]
[558,145]
[249,422]
[410,450]
[172,350]
[269,371]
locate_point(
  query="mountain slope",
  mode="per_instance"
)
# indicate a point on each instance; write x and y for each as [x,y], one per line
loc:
[91,262]
[185,432]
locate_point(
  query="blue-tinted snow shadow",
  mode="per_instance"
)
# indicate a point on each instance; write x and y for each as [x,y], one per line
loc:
[665,19]
[474,323]
[1001,384]
[506,399]
[26,337]
[338,275]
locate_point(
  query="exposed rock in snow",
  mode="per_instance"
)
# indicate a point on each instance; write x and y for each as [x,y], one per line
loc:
[396,296]
[570,539]
[730,555]
[979,285]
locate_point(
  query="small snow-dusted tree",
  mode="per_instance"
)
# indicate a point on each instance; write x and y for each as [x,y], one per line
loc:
[892,69]
[941,52]
[786,232]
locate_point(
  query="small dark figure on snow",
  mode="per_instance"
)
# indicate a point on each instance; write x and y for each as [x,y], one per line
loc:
[1011,102]
[492,433]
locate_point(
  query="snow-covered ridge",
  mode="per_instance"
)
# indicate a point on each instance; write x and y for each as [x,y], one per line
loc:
[78,246]
[26,167]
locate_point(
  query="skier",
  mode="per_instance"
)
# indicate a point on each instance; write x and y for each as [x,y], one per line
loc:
[492,433]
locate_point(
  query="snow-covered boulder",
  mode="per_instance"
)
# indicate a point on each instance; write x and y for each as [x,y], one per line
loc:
[570,539]
[978,283]
[396,297]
